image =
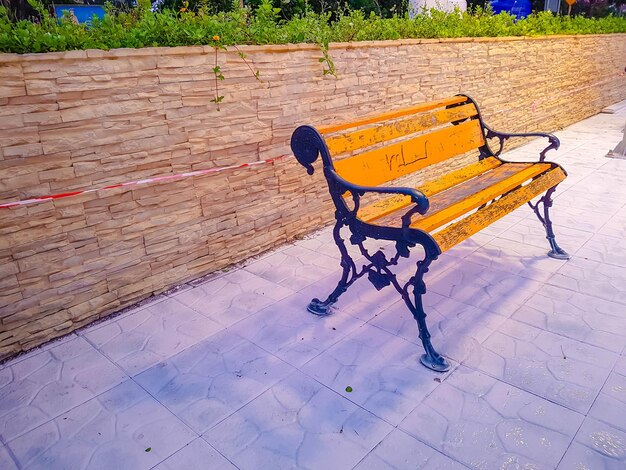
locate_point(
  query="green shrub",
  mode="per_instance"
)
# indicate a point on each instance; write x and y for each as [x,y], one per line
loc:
[140,27]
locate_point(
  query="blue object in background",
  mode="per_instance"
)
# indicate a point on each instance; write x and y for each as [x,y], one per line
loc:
[519,8]
[83,13]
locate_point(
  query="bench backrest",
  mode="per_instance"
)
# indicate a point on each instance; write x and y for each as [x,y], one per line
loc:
[385,147]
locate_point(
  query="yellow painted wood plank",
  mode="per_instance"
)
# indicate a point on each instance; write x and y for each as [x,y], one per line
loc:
[454,178]
[459,231]
[393,161]
[471,202]
[391,204]
[374,135]
[393,114]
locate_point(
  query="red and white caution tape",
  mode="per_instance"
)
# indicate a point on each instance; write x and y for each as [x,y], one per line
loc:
[154,179]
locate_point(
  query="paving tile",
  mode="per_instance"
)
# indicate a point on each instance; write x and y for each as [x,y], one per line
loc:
[530,231]
[233,296]
[606,173]
[361,300]
[38,350]
[213,379]
[195,456]
[616,227]
[596,446]
[290,332]
[471,244]
[593,278]
[577,316]
[43,386]
[487,288]
[581,157]
[516,258]
[383,371]
[609,250]
[123,428]
[294,267]
[613,164]
[150,335]
[321,242]
[487,424]
[578,198]
[456,328]
[400,451]
[605,184]
[600,305]
[298,423]
[610,406]
[6,461]
[554,367]
[572,218]
[588,152]
[125,312]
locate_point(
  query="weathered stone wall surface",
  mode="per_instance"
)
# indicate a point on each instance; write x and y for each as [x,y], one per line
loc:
[84,119]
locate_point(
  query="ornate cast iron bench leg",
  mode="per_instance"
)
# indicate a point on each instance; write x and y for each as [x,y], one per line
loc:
[348,276]
[380,275]
[546,202]
[432,359]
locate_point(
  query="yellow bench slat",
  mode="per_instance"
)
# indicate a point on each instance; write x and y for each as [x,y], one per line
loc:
[393,114]
[378,166]
[447,181]
[459,231]
[457,177]
[456,203]
[374,135]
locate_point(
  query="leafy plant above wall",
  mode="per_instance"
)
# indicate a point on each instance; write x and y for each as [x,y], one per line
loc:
[140,27]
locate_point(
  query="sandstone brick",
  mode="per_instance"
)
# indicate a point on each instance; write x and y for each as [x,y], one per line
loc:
[112,109]
[23,151]
[24,135]
[8,90]
[56,174]
[43,118]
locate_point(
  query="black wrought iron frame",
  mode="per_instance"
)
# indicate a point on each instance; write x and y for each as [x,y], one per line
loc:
[307,144]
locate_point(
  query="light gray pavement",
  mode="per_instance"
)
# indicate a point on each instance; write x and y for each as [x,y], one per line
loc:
[232,372]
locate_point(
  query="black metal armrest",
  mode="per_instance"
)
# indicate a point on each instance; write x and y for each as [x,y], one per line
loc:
[417,197]
[554,142]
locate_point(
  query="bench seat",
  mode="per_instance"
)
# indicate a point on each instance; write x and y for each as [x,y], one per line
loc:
[456,194]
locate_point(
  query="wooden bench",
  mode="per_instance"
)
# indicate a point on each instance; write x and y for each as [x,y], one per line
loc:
[360,157]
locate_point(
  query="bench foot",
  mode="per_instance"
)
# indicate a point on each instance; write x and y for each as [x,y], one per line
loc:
[557,252]
[348,276]
[437,363]
[317,307]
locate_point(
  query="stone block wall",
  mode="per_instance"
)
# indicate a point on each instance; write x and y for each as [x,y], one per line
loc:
[84,119]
